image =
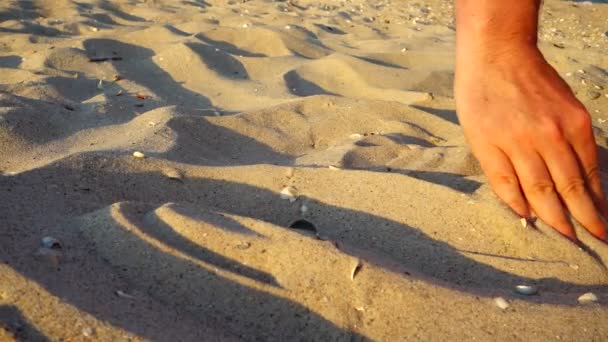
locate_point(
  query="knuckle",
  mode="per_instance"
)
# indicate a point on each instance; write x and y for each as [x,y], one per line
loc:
[504,179]
[593,175]
[572,188]
[580,121]
[552,131]
[540,188]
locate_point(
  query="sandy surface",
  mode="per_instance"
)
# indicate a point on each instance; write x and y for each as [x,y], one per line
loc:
[348,104]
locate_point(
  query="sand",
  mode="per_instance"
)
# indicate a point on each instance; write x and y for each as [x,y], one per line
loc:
[349,104]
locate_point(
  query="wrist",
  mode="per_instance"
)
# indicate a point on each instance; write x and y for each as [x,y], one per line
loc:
[498,52]
[489,29]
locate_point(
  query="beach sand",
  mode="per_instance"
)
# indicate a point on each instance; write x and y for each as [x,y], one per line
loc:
[250,116]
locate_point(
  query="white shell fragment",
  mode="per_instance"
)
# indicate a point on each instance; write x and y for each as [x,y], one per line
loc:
[524,222]
[123,294]
[100,85]
[355,136]
[138,154]
[289,193]
[334,168]
[355,270]
[587,298]
[501,303]
[526,290]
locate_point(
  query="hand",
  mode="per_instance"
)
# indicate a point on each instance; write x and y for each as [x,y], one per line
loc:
[532,137]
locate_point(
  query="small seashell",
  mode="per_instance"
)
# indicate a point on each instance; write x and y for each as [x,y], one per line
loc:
[244,245]
[587,298]
[526,290]
[524,222]
[355,270]
[88,332]
[173,174]
[334,168]
[303,225]
[355,136]
[289,193]
[573,266]
[138,154]
[50,243]
[593,95]
[501,303]
[100,85]
[122,294]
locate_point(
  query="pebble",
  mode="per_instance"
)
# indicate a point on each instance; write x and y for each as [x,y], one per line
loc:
[501,303]
[138,154]
[526,290]
[289,193]
[355,136]
[334,168]
[303,209]
[587,298]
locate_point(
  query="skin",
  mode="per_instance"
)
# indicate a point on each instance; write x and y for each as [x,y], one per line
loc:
[531,135]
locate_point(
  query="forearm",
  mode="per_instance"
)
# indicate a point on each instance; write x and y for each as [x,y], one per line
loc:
[495,26]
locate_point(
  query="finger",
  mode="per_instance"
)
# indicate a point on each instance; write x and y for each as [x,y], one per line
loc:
[503,179]
[539,190]
[583,144]
[570,184]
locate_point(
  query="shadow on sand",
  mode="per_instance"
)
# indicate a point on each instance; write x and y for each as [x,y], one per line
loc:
[88,180]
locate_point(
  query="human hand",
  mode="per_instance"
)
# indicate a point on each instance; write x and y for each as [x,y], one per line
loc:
[532,137]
